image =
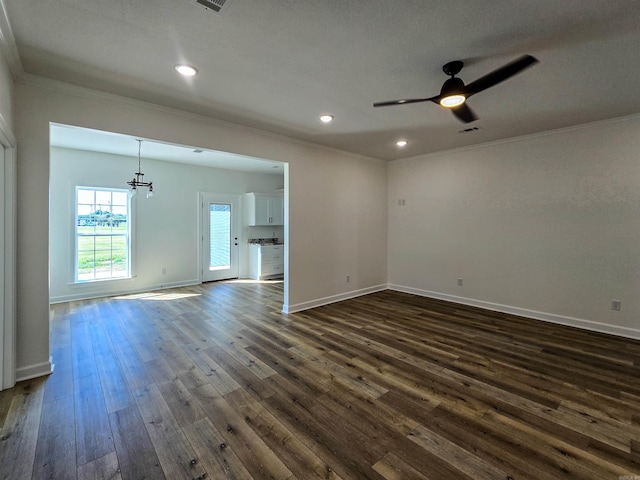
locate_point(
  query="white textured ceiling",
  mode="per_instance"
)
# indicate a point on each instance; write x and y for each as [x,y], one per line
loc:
[278,64]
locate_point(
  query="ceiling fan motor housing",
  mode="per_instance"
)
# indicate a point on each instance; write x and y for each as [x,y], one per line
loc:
[452,86]
[453,68]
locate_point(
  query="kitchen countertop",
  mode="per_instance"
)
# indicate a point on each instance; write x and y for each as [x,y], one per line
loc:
[265,241]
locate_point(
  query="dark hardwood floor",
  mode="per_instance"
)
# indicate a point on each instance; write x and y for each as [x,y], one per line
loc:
[214,382]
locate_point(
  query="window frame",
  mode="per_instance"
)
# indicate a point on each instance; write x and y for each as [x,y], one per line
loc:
[128,235]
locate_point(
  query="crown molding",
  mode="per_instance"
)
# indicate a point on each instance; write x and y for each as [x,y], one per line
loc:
[8,44]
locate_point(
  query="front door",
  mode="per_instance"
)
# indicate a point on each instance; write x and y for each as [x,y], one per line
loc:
[220,229]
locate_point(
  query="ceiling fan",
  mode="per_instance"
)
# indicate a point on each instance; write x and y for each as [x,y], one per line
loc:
[454,92]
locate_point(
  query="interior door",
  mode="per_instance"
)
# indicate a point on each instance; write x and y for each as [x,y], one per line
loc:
[220,229]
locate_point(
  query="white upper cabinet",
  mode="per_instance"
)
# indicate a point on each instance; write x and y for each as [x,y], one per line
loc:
[264,209]
[276,209]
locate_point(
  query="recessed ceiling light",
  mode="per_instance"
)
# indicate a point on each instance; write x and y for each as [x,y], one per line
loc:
[401,143]
[186,70]
[326,118]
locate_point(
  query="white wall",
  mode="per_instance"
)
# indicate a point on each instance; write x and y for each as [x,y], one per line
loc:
[547,226]
[336,202]
[166,226]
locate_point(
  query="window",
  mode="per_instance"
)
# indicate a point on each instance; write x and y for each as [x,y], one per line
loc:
[102,234]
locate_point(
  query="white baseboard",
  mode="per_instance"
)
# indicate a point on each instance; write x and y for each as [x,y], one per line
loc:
[298,307]
[45,368]
[124,291]
[33,371]
[523,312]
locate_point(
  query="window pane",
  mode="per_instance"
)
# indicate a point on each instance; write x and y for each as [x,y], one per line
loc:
[103,199]
[86,196]
[119,210]
[86,244]
[86,275]
[103,263]
[119,263]
[84,209]
[119,226]
[85,260]
[120,198]
[103,244]
[119,243]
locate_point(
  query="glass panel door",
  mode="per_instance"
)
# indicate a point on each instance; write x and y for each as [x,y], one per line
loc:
[220,237]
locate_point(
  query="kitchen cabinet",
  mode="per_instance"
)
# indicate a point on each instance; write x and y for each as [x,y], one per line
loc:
[264,209]
[266,261]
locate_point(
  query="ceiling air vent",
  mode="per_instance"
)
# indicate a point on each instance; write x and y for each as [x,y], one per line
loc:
[216,6]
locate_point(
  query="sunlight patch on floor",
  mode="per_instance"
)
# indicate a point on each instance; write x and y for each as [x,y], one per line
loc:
[157,296]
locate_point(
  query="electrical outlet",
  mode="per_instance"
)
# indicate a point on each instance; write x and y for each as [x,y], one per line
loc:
[348,278]
[616,305]
[460,282]
[164,270]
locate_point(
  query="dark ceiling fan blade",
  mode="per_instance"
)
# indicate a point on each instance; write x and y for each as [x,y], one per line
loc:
[500,74]
[464,113]
[406,100]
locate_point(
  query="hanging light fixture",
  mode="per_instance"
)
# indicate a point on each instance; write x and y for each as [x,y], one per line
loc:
[138,180]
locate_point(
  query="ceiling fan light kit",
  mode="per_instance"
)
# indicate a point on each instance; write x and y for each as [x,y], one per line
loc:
[451,101]
[454,93]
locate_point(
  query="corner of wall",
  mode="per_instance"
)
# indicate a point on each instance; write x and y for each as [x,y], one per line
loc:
[36,370]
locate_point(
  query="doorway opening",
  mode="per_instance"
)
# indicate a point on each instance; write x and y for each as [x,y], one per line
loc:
[168,229]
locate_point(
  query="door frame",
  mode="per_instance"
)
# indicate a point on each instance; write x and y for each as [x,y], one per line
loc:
[8,265]
[237,218]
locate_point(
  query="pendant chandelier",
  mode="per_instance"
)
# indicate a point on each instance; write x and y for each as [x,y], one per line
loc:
[138,179]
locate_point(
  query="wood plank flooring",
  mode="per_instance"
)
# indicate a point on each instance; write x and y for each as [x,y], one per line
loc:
[214,382]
